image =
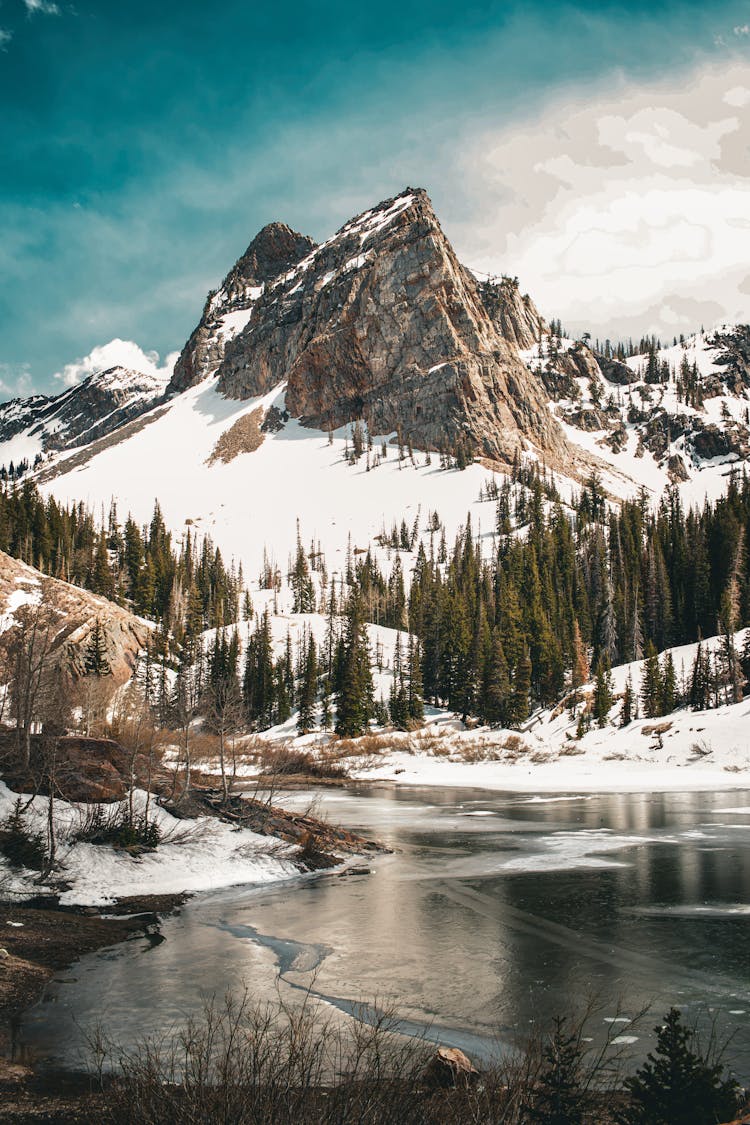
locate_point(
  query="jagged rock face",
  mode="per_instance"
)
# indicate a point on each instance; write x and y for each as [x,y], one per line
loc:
[273,251]
[514,313]
[381,322]
[91,409]
[734,357]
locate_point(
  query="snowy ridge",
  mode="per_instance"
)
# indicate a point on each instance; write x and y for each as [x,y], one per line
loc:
[44,424]
[679,415]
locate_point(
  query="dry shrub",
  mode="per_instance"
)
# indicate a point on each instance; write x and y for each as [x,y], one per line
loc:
[473,752]
[570,750]
[249,1064]
[656,728]
[285,760]
[429,742]
[204,748]
[368,745]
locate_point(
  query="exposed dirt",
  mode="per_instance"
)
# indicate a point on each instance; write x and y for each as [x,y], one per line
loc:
[38,939]
[245,436]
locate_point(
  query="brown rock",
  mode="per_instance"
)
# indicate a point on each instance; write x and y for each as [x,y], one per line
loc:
[76,612]
[450,1067]
[275,249]
[383,323]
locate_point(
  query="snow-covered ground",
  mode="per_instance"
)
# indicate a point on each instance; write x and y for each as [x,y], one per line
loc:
[634,464]
[194,855]
[703,751]
[687,750]
[251,505]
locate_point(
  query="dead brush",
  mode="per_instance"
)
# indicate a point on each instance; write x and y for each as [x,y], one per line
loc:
[286,761]
[427,742]
[473,752]
[368,745]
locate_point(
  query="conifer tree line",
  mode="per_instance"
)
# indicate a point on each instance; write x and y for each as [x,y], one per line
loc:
[566,593]
[184,586]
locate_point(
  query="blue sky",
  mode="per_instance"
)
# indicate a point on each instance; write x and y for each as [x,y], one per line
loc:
[144,143]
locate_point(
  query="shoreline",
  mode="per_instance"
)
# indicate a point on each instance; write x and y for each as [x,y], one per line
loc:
[41,938]
[564,777]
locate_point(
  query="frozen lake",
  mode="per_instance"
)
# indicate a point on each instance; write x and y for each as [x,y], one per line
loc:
[495,910]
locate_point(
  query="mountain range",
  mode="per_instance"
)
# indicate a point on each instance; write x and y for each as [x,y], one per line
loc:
[380,330]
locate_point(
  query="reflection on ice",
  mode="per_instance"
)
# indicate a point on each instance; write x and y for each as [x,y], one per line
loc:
[494,911]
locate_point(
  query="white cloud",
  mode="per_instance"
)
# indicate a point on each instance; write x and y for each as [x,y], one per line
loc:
[742,29]
[43,7]
[738,96]
[5,38]
[631,207]
[117,353]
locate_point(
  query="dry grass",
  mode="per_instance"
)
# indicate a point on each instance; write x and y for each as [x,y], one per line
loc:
[284,761]
[369,745]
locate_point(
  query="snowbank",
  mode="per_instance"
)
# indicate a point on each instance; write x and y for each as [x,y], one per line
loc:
[195,855]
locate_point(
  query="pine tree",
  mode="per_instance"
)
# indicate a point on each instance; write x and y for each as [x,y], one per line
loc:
[678,1084]
[95,662]
[497,685]
[300,580]
[354,702]
[415,689]
[668,695]
[700,680]
[308,689]
[602,692]
[258,680]
[561,1094]
[651,688]
[398,706]
[519,699]
[626,713]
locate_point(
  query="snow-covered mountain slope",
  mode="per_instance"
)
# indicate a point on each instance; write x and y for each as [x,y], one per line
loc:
[276,473]
[100,404]
[679,414]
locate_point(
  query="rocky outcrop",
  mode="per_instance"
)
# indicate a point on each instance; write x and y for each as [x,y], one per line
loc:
[514,313]
[273,251]
[93,408]
[382,323]
[72,614]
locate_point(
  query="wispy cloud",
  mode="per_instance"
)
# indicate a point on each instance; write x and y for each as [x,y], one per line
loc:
[42,7]
[5,38]
[742,29]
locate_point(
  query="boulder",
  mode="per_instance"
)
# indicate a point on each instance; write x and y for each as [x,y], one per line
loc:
[450,1067]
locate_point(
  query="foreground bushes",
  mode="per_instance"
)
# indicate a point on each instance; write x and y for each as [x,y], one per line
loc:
[247,1064]
[115,825]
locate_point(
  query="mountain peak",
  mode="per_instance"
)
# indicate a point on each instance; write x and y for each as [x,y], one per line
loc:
[274,249]
[379,322]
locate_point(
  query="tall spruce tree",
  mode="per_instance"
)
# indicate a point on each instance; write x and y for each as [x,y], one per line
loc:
[354,701]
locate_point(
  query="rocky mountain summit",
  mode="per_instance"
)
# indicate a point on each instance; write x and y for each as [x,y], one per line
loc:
[380,323]
[227,310]
[97,406]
